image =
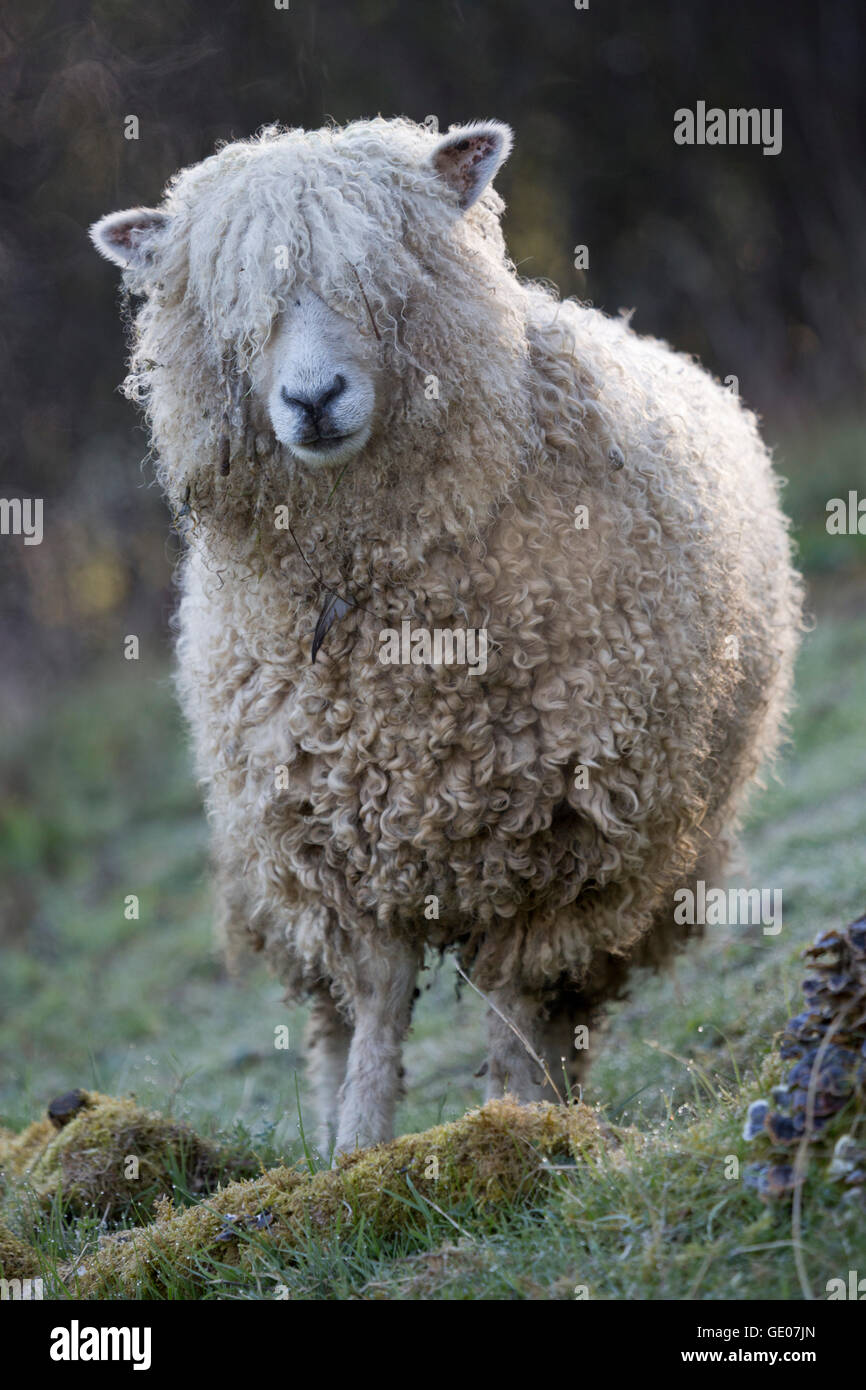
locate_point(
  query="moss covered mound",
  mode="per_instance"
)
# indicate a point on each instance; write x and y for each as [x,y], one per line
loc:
[17,1260]
[492,1156]
[110,1156]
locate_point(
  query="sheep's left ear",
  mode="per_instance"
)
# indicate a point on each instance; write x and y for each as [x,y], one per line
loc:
[126,238]
[468,158]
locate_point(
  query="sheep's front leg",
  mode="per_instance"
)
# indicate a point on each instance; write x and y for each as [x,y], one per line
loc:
[383,1008]
[328,1038]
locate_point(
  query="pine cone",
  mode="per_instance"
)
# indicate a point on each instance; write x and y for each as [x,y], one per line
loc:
[827,1044]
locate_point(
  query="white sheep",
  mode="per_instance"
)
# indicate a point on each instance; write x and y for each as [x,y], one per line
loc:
[364,419]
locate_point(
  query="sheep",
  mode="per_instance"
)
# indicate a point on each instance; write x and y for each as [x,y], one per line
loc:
[370,430]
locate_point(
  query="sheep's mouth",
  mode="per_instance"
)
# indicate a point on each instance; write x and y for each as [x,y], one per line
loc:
[321,443]
[330,448]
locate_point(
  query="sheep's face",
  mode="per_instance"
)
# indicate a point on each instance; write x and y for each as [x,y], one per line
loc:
[317,377]
[305,256]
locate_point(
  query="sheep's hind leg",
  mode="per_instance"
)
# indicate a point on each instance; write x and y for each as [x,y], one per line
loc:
[567,1043]
[558,1033]
[328,1038]
[382,1009]
[512,1069]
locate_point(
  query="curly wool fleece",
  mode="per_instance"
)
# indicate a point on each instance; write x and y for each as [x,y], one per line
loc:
[361,810]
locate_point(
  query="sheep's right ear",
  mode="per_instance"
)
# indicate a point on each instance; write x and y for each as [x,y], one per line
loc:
[127,237]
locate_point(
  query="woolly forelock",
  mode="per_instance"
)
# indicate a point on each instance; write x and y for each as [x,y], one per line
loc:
[359,214]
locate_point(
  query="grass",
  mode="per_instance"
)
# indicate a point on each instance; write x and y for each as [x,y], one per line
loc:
[102,806]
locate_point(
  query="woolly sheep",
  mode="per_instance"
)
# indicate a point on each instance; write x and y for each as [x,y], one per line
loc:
[362,416]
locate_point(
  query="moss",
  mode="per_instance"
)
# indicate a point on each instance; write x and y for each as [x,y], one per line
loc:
[17,1260]
[493,1156]
[18,1152]
[111,1156]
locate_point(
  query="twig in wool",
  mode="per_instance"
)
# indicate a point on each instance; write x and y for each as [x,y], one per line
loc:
[336,606]
[366,303]
[339,479]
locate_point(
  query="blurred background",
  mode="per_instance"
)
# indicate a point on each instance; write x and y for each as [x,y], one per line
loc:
[755,263]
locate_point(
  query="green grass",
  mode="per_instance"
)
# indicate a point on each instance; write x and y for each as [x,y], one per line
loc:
[102,805]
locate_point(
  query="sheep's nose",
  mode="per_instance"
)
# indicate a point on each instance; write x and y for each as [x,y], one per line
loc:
[312,404]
